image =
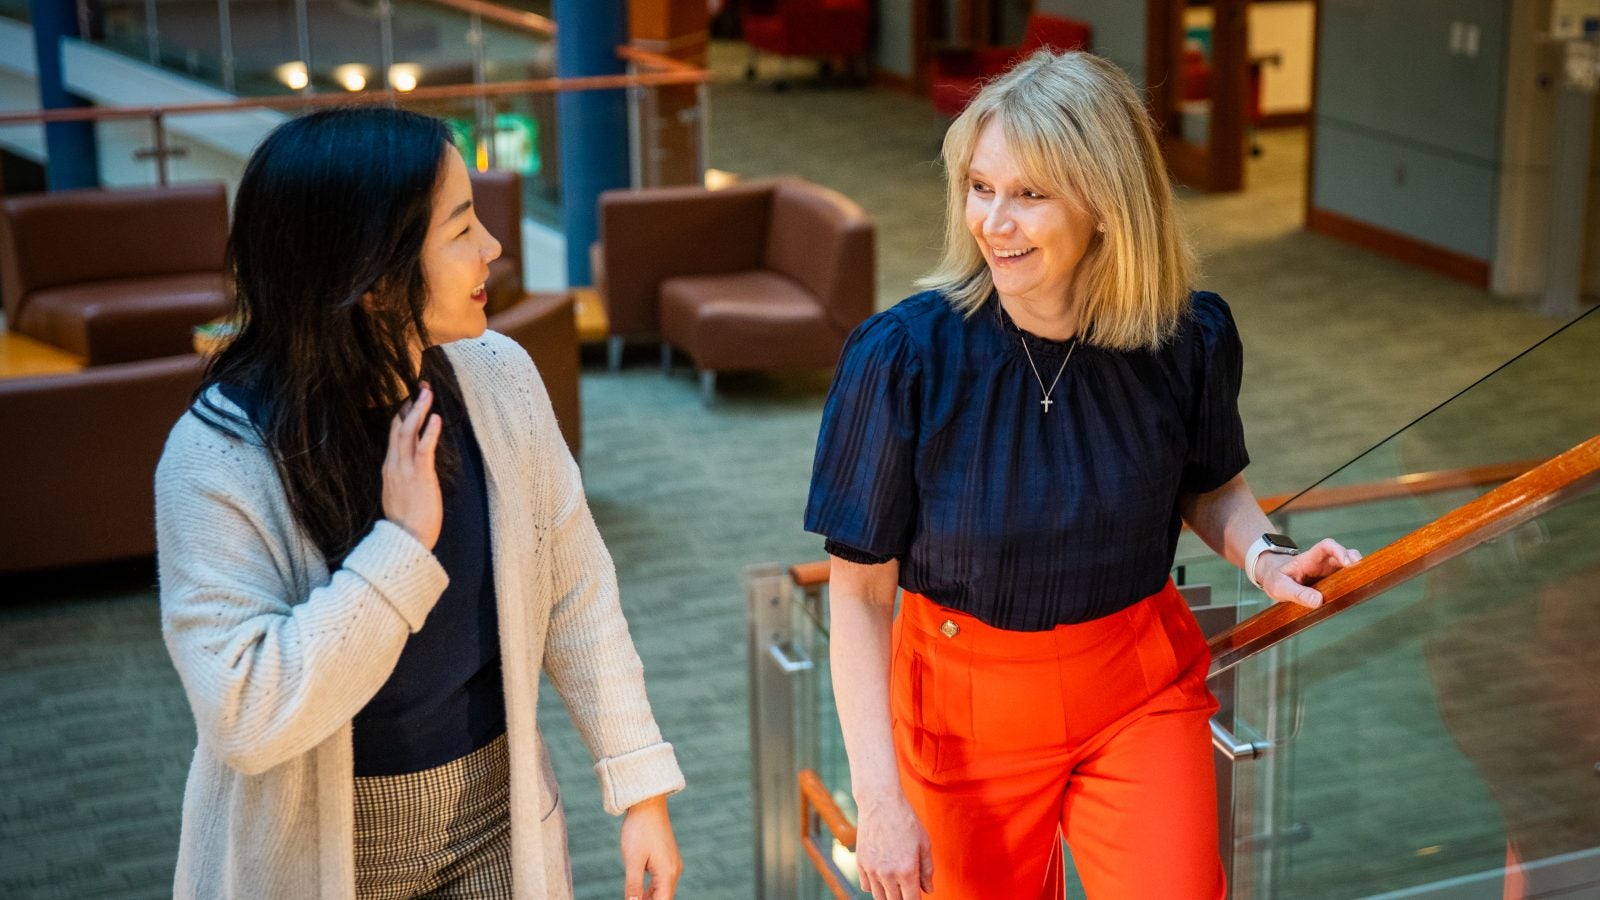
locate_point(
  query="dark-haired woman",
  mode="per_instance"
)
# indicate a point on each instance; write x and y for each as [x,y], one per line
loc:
[372,539]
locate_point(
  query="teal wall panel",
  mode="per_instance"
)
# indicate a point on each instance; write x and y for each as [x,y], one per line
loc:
[1444,199]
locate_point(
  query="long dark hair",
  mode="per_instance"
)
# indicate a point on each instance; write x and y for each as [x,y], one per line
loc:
[332,206]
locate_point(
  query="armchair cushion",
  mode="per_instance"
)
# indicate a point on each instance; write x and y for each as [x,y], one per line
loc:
[648,236]
[125,319]
[823,240]
[747,320]
[76,237]
[82,474]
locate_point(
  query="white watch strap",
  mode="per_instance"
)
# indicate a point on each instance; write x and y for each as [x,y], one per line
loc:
[1254,553]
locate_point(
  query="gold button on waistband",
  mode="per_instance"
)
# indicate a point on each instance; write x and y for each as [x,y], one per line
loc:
[949,628]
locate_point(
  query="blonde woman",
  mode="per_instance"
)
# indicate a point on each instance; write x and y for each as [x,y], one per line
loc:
[1018,448]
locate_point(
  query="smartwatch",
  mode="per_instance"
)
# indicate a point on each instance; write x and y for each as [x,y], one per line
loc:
[1267,543]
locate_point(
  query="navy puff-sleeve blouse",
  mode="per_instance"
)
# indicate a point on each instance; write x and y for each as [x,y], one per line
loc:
[934,450]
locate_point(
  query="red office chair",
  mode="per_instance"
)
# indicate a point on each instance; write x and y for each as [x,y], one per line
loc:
[956,75]
[817,28]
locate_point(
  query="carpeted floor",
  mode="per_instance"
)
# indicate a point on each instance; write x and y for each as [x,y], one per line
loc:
[1342,348]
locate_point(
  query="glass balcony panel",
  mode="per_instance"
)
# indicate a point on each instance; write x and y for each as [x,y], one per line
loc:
[1442,734]
[1427,740]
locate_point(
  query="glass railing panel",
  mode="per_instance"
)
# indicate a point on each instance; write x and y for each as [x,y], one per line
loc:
[1441,737]
[1406,733]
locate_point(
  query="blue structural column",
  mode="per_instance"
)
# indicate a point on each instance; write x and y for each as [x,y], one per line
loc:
[70,146]
[593,144]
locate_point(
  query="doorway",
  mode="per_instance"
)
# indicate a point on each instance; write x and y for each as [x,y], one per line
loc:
[1222,74]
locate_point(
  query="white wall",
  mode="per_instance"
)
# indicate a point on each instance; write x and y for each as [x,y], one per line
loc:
[1285,29]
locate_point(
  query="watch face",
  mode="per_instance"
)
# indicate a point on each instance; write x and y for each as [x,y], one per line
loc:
[1280,542]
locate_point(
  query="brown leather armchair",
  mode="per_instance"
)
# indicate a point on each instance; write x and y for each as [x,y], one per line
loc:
[546,325]
[80,473]
[114,275]
[497,198]
[760,276]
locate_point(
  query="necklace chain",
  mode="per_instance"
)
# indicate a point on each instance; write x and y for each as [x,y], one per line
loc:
[1046,401]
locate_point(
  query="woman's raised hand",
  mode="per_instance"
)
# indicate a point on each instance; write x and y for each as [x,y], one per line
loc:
[411,497]
[1289,578]
[892,850]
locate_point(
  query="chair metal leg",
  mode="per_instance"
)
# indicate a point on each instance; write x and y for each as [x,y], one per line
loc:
[614,353]
[708,386]
[666,358]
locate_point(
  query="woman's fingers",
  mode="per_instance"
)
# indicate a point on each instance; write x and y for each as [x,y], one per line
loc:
[413,420]
[429,441]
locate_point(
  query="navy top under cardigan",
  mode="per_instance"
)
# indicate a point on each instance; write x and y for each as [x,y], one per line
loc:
[444,698]
[934,450]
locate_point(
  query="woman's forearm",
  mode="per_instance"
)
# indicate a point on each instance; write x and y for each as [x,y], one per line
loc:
[1228,519]
[859,653]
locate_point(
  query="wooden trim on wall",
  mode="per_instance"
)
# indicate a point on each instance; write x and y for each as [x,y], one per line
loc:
[1311,114]
[1284,120]
[1407,249]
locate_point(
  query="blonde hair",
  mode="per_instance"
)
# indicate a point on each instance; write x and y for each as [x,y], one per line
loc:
[1077,128]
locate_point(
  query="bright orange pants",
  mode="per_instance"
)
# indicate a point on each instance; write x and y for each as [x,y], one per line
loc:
[1008,741]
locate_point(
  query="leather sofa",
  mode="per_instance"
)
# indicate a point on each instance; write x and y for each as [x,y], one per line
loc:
[114,275]
[763,275]
[80,475]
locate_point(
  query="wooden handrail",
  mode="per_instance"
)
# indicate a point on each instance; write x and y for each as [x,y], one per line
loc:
[1491,515]
[1399,487]
[813,574]
[814,797]
[446,92]
[653,60]
[516,18]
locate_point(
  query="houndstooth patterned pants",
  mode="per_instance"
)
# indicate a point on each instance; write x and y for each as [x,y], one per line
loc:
[441,833]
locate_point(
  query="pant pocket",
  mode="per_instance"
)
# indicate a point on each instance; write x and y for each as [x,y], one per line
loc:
[912,701]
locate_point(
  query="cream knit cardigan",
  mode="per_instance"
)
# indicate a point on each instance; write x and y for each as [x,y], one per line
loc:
[277,655]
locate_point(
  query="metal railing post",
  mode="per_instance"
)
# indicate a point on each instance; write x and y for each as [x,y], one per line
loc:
[702,105]
[225,25]
[635,97]
[152,34]
[774,662]
[160,129]
[386,39]
[480,76]
[302,26]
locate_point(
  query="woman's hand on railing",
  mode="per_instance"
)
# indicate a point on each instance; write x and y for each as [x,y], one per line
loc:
[892,848]
[1288,579]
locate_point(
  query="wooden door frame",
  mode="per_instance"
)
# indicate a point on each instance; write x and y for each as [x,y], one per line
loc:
[1219,166]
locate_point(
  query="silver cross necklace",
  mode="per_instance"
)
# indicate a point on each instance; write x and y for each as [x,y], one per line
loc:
[1047,391]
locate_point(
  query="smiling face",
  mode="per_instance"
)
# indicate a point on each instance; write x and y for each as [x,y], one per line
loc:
[455,258]
[1032,240]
